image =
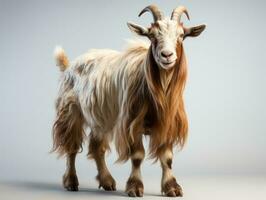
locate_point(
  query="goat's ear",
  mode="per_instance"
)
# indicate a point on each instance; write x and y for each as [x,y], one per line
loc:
[194,31]
[140,30]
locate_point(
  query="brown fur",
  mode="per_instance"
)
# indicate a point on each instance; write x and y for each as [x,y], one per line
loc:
[68,130]
[136,162]
[97,149]
[157,110]
[70,179]
[134,187]
[172,189]
[169,163]
[61,59]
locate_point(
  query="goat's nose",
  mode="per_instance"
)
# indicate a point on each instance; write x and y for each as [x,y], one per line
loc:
[166,53]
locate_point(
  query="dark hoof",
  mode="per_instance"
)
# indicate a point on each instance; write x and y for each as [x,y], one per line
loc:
[70,182]
[106,182]
[73,188]
[172,189]
[134,187]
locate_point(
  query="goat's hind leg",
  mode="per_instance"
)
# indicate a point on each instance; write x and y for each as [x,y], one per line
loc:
[68,136]
[70,179]
[97,149]
[134,187]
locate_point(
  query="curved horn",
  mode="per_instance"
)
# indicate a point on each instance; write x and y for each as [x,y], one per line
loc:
[157,14]
[177,13]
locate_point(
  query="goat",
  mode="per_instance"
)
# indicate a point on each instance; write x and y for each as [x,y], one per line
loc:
[123,96]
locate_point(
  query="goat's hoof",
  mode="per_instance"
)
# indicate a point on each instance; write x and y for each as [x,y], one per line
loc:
[107,182]
[171,189]
[70,182]
[134,187]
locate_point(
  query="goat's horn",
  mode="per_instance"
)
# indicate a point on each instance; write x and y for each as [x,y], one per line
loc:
[177,13]
[157,14]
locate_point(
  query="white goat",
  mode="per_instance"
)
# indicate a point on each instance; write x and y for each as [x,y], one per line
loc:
[123,95]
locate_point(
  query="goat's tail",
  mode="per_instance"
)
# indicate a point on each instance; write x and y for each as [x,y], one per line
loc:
[61,58]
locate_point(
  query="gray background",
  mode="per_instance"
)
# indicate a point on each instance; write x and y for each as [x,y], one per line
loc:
[225,92]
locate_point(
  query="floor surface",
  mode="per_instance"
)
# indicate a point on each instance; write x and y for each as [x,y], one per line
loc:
[209,187]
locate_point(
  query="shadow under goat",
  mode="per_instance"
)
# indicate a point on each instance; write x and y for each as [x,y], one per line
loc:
[122,96]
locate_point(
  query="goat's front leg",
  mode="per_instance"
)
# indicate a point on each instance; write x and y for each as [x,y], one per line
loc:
[169,184]
[134,187]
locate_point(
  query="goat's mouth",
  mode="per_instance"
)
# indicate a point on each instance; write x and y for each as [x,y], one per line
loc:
[167,64]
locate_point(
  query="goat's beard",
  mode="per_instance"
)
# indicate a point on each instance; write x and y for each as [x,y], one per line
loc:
[166,91]
[155,103]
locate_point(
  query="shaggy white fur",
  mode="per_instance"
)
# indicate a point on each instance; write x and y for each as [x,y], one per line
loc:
[100,80]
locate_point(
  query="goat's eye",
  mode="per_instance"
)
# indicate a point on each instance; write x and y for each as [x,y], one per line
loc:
[181,35]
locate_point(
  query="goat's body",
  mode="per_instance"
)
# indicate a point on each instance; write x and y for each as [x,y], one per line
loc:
[119,95]
[99,80]
[123,95]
